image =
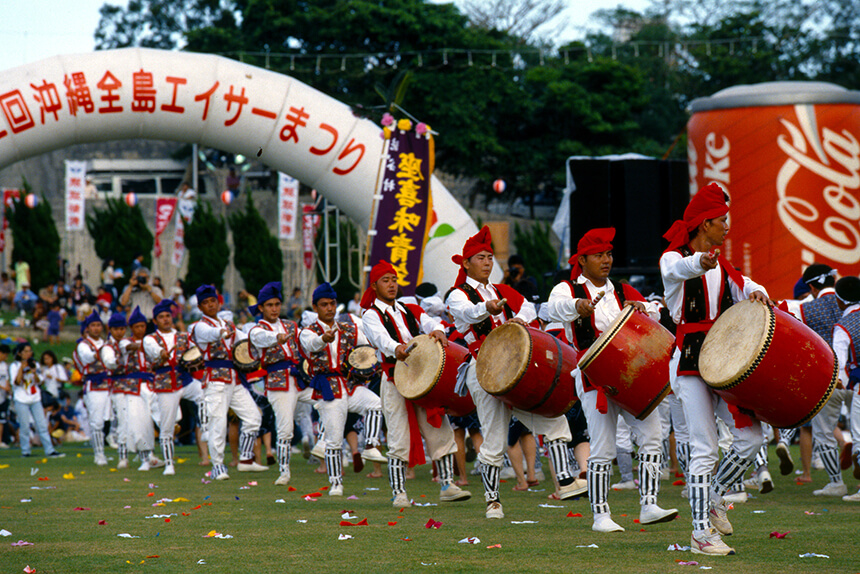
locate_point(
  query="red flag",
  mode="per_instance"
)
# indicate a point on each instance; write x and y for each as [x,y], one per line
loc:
[164,208]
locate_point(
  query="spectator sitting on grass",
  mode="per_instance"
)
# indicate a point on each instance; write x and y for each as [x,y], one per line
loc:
[25,300]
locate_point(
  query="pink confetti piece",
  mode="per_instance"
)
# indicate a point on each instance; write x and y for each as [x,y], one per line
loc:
[80,508]
[775,534]
[808,513]
[28,570]
[102,522]
[690,563]
[494,546]
[252,483]
[352,497]
[126,480]
[22,543]
[433,524]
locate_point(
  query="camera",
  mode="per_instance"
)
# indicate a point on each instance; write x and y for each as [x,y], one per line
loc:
[31,363]
[141,280]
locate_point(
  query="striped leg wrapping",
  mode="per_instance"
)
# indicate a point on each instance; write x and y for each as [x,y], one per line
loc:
[218,470]
[699,500]
[396,475]
[203,418]
[144,455]
[649,477]
[246,445]
[167,449]
[98,440]
[558,455]
[598,486]
[283,453]
[334,466]
[761,457]
[665,452]
[830,460]
[445,465]
[682,450]
[122,451]
[730,471]
[490,477]
[373,424]
[787,435]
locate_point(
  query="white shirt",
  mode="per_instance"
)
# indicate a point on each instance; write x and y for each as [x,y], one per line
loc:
[54,377]
[466,313]
[562,306]
[153,349]
[794,304]
[28,392]
[86,355]
[313,343]
[842,347]
[378,335]
[4,381]
[676,269]
[109,356]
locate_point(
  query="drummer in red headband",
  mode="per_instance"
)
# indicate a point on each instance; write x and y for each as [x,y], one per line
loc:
[478,307]
[389,326]
[587,305]
[700,285]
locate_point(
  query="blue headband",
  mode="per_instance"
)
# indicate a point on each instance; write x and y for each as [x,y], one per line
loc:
[116,320]
[324,291]
[270,291]
[165,305]
[204,292]
[136,317]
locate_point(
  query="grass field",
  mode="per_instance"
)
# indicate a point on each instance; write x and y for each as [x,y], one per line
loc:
[275,530]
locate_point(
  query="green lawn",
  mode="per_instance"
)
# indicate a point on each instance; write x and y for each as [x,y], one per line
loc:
[302,536]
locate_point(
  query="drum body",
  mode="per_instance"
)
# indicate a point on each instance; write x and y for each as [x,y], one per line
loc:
[764,360]
[362,363]
[429,375]
[528,369]
[630,362]
[242,357]
[192,359]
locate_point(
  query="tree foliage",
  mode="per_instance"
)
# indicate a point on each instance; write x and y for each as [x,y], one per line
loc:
[208,252]
[257,255]
[120,233]
[35,238]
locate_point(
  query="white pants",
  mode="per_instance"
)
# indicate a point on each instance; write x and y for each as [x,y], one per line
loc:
[440,441]
[603,428]
[825,421]
[220,398]
[333,413]
[855,422]
[495,417]
[151,399]
[98,409]
[679,421]
[284,405]
[134,422]
[701,407]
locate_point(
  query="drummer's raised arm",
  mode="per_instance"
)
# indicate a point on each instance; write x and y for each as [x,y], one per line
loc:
[108,357]
[204,333]
[561,306]
[262,338]
[151,348]
[463,309]
[676,267]
[311,342]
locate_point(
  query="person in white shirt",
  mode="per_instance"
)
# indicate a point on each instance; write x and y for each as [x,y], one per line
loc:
[96,383]
[326,344]
[478,307]
[699,286]
[53,373]
[223,386]
[28,401]
[390,326]
[572,304]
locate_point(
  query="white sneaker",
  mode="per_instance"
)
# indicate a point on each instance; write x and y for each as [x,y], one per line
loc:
[373,455]
[494,510]
[786,465]
[283,480]
[122,464]
[852,497]
[101,460]
[578,487]
[223,476]
[653,514]
[453,493]
[711,543]
[168,470]
[604,523]
[719,517]
[766,481]
[832,489]
[626,485]
[336,490]
[144,466]
[318,450]
[736,497]
[251,467]
[401,500]
[155,462]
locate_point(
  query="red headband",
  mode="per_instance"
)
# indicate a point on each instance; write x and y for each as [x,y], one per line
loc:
[380,269]
[708,203]
[594,241]
[481,241]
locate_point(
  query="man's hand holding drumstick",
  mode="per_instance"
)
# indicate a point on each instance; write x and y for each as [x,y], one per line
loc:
[328,336]
[585,308]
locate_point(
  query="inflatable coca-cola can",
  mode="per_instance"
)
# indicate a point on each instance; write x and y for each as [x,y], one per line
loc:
[789,157]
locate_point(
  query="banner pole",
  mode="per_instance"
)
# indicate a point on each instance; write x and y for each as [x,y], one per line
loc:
[371,228]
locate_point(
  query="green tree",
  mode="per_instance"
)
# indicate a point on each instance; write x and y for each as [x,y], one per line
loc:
[120,233]
[208,252]
[257,255]
[35,238]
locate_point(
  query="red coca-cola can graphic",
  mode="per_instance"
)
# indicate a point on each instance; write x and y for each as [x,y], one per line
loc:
[789,157]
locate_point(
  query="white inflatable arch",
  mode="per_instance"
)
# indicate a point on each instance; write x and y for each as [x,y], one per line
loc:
[216,102]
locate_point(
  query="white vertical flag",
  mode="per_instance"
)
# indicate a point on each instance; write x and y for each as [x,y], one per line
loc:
[288,206]
[76,173]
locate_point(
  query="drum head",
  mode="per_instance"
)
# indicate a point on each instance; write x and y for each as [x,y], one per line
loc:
[242,353]
[416,376]
[192,354]
[362,357]
[736,343]
[606,336]
[504,358]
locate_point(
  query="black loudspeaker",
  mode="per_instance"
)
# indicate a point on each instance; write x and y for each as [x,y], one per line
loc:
[640,198]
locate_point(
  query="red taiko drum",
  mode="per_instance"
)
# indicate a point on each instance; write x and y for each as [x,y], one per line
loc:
[764,360]
[630,361]
[428,376]
[527,369]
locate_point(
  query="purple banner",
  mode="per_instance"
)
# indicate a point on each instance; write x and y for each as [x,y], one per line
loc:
[402,220]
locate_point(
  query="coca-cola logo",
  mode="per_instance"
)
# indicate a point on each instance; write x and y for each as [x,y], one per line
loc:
[822,171]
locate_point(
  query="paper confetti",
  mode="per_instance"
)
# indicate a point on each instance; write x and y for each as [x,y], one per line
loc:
[127,535]
[313,495]
[22,543]
[390,523]
[280,501]
[524,521]
[369,488]
[347,523]
[589,546]
[690,563]
[545,505]
[679,483]
[310,499]
[433,524]
[808,513]
[347,515]
[424,504]
[291,489]
[102,522]
[214,534]
[26,500]
[302,521]
[352,497]
[677,548]
[180,499]
[571,514]
[759,511]
[778,535]
[807,555]
[34,471]
[494,546]
[69,476]
[4,466]
[28,570]
[161,515]
[470,540]
[201,562]
[80,508]
[344,537]
[5,532]
[43,478]
[407,539]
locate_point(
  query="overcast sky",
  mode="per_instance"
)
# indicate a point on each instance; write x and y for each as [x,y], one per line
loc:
[32,30]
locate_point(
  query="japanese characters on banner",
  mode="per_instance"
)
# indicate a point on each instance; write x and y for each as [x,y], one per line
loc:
[164,208]
[403,212]
[310,224]
[184,214]
[76,173]
[288,206]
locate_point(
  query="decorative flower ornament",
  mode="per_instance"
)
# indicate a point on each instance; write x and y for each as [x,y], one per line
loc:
[404,125]
[387,119]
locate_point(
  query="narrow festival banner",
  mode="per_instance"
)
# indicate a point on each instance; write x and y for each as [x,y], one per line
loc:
[76,173]
[164,208]
[308,234]
[288,206]
[185,208]
[402,214]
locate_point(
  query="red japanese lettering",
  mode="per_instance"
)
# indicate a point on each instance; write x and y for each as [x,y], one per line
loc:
[296,118]
[75,195]
[172,107]
[109,84]
[16,111]
[206,96]
[75,182]
[239,99]
[350,148]
[74,221]
[265,113]
[143,98]
[333,132]
[48,98]
[75,208]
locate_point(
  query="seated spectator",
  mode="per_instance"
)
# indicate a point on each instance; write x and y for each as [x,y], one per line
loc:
[64,420]
[80,292]
[63,294]
[40,317]
[25,300]
[48,294]
[103,297]
[7,290]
